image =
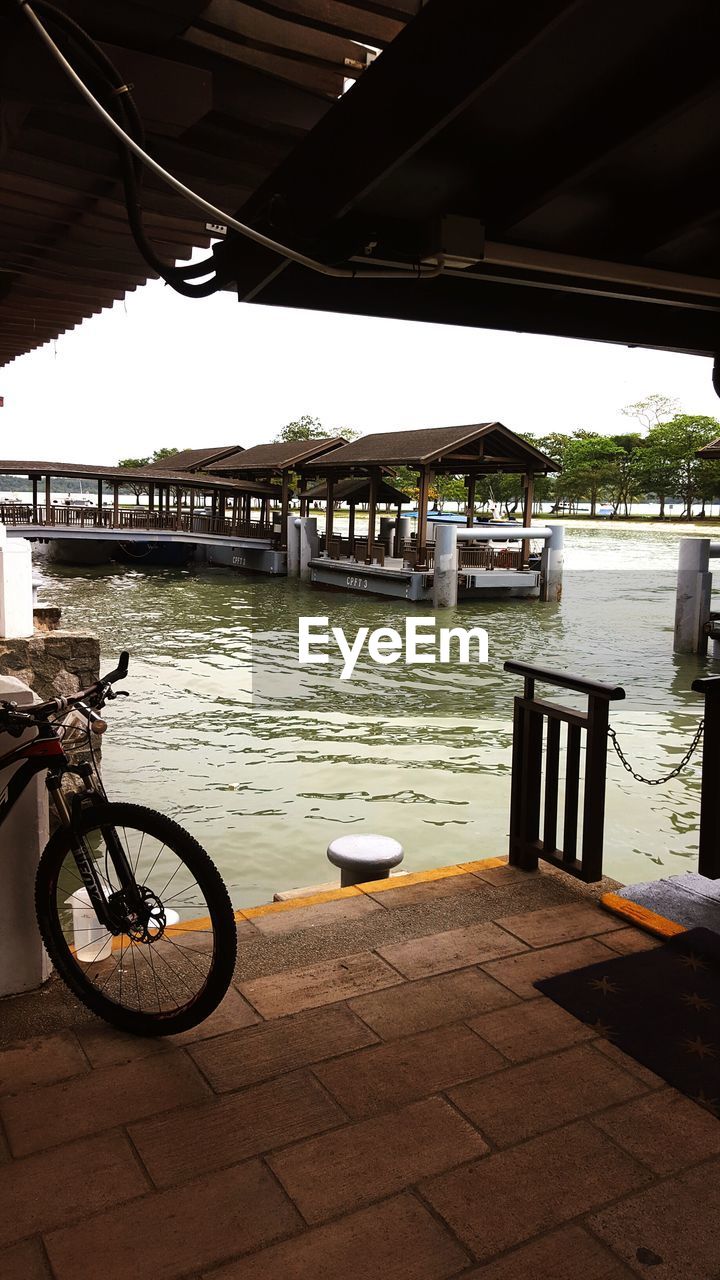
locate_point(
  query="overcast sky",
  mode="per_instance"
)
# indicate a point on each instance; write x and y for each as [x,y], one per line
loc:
[161,370]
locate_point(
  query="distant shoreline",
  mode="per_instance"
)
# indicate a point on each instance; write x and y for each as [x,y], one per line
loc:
[671,524]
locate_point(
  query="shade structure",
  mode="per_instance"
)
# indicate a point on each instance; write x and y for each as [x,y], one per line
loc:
[485,447]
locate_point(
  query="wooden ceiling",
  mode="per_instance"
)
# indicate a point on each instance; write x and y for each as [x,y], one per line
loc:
[227,89]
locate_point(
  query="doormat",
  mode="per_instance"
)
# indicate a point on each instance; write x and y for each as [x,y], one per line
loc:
[662,1007]
[666,907]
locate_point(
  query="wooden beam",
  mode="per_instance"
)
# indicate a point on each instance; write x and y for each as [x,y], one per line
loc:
[116,504]
[372,507]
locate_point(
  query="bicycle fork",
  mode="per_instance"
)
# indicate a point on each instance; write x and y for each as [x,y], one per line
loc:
[84,860]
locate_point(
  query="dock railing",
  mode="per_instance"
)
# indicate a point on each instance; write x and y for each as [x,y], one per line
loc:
[709,851]
[537,725]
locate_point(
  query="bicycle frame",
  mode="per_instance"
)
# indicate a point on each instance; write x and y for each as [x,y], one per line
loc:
[45,752]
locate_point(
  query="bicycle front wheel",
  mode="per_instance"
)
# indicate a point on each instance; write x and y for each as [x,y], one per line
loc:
[164,967]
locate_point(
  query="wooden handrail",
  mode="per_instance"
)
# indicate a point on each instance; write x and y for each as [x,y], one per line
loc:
[564,680]
[537,726]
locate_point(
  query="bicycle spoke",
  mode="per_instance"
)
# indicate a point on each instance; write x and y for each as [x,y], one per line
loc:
[147,969]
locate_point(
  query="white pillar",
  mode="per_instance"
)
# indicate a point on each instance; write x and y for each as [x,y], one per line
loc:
[308,545]
[445,570]
[692,598]
[16,589]
[551,565]
[293,547]
[24,834]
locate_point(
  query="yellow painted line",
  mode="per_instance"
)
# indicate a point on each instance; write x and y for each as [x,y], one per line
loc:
[485,864]
[403,882]
[272,908]
[333,895]
[643,917]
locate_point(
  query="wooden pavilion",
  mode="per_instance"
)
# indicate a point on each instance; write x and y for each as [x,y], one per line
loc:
[274,464]
[165,498]
[488,448]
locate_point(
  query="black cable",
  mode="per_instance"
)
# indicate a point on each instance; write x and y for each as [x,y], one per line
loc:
[119,101]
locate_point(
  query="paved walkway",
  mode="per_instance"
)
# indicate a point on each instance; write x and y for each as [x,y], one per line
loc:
[382,1095]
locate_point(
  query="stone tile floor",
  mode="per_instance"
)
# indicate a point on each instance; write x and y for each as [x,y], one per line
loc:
[383,1094]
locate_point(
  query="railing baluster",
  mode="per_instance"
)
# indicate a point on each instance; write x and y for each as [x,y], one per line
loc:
[552,760]
[572,792]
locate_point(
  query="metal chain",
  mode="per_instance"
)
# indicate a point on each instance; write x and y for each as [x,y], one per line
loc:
[656,782]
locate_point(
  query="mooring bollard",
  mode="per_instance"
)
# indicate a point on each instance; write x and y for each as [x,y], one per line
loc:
[364,857]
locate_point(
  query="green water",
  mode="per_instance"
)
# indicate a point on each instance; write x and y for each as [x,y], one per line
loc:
[265,762]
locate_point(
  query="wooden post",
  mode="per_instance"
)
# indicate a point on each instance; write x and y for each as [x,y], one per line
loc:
[34,489]
[372,506]
[178,508]
[596,746]
[48,500]
[351,527]
[471,500]
[285,508]
[422,514]
[527,517]
[151,497]
[99,501]
[116,504]
[329,507]
[263,512]
[709,849]
[192,508]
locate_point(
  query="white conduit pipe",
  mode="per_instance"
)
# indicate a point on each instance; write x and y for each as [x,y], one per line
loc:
[506,533]
[211,210]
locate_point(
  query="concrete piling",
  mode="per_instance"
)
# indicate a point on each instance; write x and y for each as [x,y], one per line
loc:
[551,565]
[692,598]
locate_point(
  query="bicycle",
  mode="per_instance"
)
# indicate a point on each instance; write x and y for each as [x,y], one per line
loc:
[149,952]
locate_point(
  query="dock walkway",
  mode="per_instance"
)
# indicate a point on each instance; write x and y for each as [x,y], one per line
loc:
[382,1095]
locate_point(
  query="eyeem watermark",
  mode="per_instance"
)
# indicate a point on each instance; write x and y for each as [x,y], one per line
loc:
[423,643]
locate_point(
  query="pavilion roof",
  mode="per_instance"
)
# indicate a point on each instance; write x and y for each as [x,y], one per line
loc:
[280,455]
[130,475]
[485,447]
[711,451]
[194,459]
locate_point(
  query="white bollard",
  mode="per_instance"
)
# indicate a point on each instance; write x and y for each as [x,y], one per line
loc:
[16,587]
[308,545]
[362,858]
[445,567]
[692,598]
[551,565]
[23,962]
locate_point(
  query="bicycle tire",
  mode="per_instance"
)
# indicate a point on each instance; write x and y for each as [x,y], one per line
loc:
[188,851]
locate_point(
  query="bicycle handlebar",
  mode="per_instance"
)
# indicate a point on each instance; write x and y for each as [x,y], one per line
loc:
[12,717]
